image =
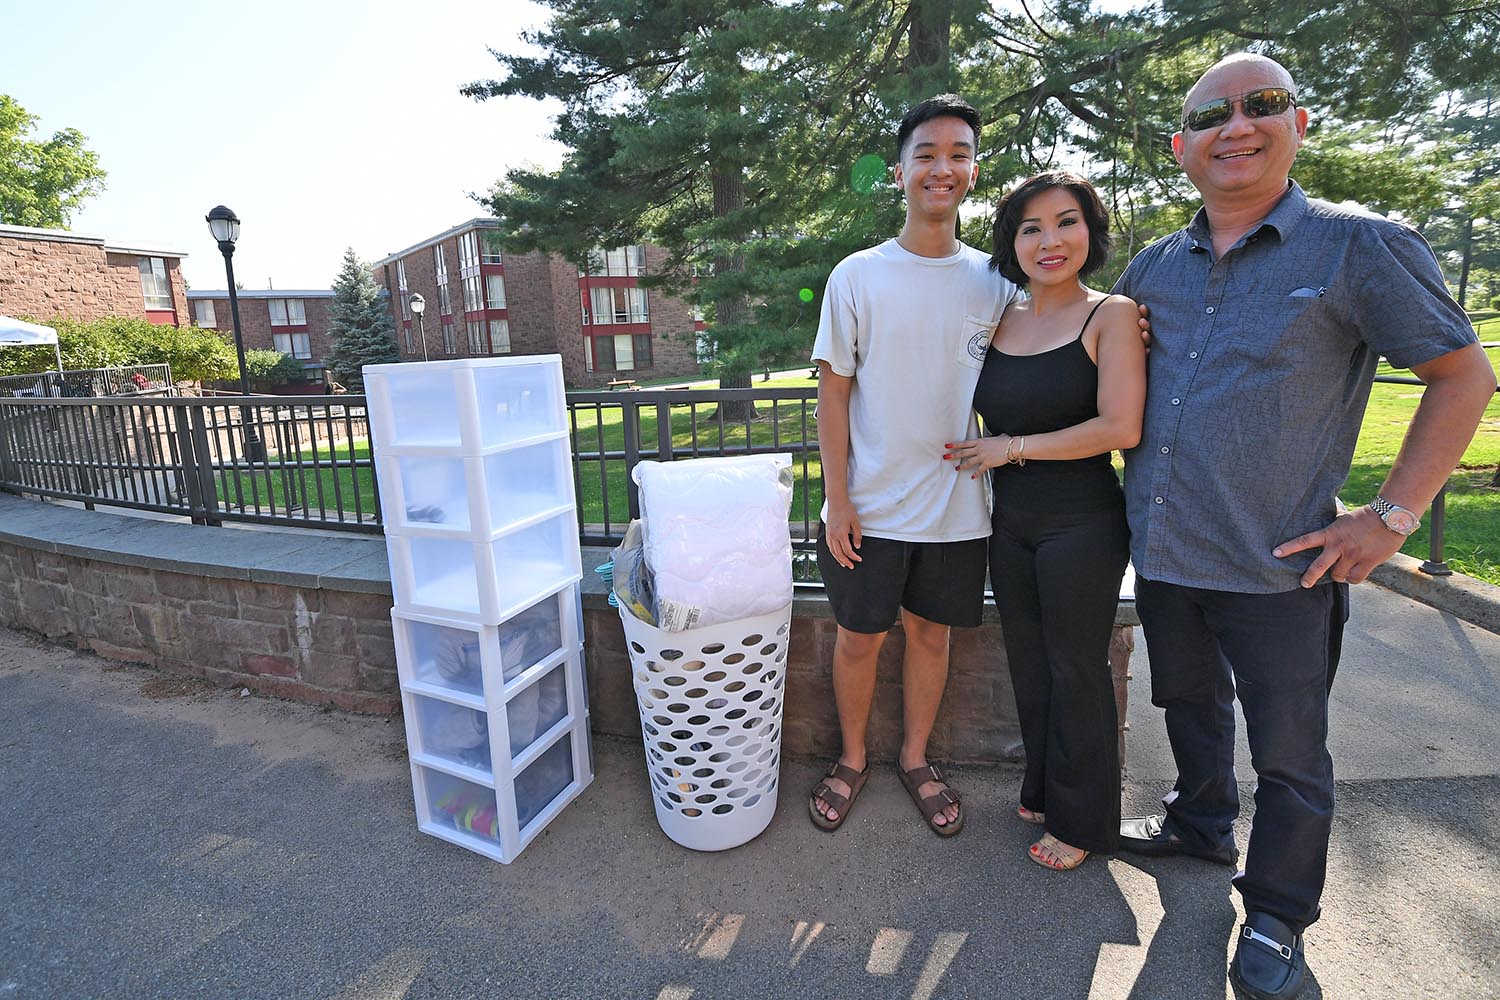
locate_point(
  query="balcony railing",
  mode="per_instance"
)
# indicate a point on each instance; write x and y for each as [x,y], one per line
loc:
[130,380]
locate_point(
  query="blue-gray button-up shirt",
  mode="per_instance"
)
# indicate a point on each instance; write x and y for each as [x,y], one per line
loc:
[1260,368]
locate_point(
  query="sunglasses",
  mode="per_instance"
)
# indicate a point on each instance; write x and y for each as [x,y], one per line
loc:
[1258,104]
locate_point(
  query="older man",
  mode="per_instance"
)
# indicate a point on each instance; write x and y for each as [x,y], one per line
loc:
[1270,311]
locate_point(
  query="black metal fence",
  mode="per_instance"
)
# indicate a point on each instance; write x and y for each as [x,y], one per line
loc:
[188,456]
[613,431]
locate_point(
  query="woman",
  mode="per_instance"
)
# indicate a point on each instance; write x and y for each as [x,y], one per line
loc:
[1063,385]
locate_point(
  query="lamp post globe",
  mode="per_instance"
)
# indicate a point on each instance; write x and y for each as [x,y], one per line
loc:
[418,305]
[224,226]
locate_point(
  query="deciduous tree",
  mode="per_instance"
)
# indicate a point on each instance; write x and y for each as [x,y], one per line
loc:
[42,182]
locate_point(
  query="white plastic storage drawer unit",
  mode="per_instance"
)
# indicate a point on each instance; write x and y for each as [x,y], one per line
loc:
[476,488]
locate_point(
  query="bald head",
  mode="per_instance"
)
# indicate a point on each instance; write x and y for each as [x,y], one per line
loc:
[1210,84]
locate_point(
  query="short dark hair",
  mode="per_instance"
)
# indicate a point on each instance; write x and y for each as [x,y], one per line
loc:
[1009,212]
[941,106]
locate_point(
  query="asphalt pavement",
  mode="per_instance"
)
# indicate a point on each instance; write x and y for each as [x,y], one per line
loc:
[163,839]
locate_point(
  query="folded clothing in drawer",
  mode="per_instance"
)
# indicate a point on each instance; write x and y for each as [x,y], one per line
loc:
[717,540]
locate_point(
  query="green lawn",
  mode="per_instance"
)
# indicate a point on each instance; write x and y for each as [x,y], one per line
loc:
[1472,534]
[786,426]
[338,486]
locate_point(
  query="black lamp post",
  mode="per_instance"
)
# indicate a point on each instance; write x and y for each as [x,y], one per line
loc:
[225,227]
[419,306]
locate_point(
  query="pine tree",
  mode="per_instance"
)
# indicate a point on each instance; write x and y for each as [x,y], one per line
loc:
[753,139]
[361,326]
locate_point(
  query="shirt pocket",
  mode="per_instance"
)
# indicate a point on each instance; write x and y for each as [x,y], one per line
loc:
[1296,328]
[977,333]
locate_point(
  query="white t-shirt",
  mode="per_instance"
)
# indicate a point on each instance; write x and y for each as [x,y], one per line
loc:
[912,331]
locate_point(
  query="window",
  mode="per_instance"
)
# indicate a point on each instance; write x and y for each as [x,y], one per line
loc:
[295,344]
[156,287]
[402,292]
[411,345]
[622,352]
[491,249]
[468,269]
[619,305]
[494,291]
[440,268]
[476,337]
[287,312]
[203,314]
[450,342]
[621,262]
[499,336]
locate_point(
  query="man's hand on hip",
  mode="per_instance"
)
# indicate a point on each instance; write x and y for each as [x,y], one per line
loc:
[1353,545]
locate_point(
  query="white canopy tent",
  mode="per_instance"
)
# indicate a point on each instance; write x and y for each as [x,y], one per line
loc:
[17,333]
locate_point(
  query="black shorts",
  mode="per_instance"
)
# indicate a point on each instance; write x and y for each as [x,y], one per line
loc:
[940,581]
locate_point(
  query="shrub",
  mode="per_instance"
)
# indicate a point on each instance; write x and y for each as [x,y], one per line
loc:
[195,354]
[273,367]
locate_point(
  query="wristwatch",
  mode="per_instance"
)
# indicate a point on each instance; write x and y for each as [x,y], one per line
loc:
[1398,519]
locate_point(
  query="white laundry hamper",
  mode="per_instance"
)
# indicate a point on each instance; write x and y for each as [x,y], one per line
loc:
[711,707]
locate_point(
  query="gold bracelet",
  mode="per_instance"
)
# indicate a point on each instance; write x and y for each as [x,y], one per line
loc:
[1009,444]
[1021,451]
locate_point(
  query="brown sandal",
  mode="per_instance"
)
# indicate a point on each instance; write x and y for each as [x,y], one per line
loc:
[935,803]
[1030,816]
[838,803]
[1045,853]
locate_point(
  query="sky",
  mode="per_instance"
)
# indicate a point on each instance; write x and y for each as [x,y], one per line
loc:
[323,126]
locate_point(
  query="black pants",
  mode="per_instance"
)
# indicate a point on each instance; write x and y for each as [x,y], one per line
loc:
[1056,579]
[1277,653]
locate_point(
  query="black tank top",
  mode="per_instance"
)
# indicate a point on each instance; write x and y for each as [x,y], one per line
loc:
[1036,393]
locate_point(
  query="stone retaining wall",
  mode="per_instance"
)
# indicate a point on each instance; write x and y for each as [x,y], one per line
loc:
[306,644]
[304,616]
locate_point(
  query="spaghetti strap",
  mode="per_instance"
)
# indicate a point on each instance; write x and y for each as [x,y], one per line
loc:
[1090,317]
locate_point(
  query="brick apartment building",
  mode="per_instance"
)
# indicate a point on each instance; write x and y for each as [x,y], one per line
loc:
[293,321]
[50,273]
[482,301]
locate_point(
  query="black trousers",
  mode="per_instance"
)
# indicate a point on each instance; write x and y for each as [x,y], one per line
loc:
[1056,579]
[1278,654]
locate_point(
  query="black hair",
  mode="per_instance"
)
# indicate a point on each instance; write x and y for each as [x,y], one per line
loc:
[1008,216]
[941,106]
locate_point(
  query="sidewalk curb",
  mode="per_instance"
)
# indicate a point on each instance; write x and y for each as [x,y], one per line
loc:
[1461,596]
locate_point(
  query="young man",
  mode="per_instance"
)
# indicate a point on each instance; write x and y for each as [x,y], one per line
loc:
[901,339]
[1270,311]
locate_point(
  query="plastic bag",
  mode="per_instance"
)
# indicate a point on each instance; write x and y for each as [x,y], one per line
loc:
[717,541]
[634,587]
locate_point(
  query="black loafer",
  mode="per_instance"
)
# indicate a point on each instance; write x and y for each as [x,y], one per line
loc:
[1268,963]
[1145,835]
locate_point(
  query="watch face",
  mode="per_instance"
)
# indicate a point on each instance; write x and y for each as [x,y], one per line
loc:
[1403,522]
